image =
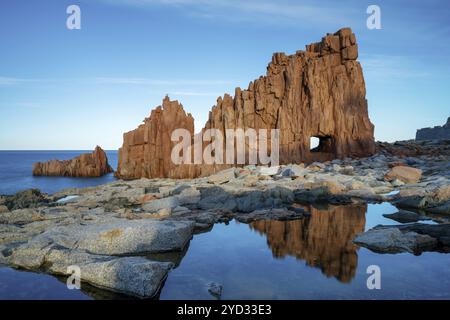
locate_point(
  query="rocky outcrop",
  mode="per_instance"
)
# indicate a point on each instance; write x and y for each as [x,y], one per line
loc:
[318,93]
[146,151]
[31,198]
[412,148]
[86,165]
[414,238]
[392,240]
[436,133]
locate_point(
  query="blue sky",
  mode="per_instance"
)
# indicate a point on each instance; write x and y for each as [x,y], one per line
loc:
[74,89]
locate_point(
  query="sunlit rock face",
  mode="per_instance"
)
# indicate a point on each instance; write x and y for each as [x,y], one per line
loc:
[146,151]
[318,93]
[323,240]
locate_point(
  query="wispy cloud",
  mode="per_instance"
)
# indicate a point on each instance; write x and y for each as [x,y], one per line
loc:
[158,82]
[11,81]
[195,94]
[266,11]
[392,67]
[8,81]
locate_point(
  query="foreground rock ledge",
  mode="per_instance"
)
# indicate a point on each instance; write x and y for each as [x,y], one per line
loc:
[95,247]
[86,165]
[117,231]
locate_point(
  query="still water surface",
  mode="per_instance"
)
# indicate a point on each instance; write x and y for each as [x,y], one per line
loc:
[312,258]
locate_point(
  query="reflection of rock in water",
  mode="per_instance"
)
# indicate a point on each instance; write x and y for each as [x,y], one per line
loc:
[323,240]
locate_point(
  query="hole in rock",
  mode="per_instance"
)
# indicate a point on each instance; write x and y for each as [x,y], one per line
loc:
[321,144]
[313,143]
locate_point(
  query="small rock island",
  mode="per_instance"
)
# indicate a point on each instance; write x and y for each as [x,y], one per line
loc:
[93,164]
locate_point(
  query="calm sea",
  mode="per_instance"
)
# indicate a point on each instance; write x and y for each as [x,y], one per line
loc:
[16,171]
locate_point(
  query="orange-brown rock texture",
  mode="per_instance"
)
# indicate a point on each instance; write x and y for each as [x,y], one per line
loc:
[146,151]
[319,93]
[93,164]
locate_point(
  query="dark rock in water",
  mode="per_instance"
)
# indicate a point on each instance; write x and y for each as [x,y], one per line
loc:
[414,238]
[404,216]
[215,289]
[436,133]
[441,209]
[441,232]
[248,201]
[280,214]
[411,202]
[31,198]
[435,200]
[321,195]
[383,239]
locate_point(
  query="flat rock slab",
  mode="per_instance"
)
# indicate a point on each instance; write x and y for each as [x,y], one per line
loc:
[392,240]
[440,232]
[404,216]
[135,276]
[121,237]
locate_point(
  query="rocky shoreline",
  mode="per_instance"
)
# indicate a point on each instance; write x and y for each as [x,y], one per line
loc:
[116,232]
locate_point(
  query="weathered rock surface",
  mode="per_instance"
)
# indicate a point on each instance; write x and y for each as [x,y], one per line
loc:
[86,165]
[135,276]
[30,198]
[414,238]
[436,133]
[319,93]
[146,151]
[404,174]
[392,240]
[434,196]
[404,216]
[121,237]
[412,148]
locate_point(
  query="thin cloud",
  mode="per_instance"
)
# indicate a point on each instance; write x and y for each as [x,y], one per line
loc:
[264,11]
[159,82]
[392,67]
[8,81]
[195,94]
[11,81]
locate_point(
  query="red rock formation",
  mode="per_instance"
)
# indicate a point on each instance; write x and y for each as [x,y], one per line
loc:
[86,165]
[146,151]
[319,93]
